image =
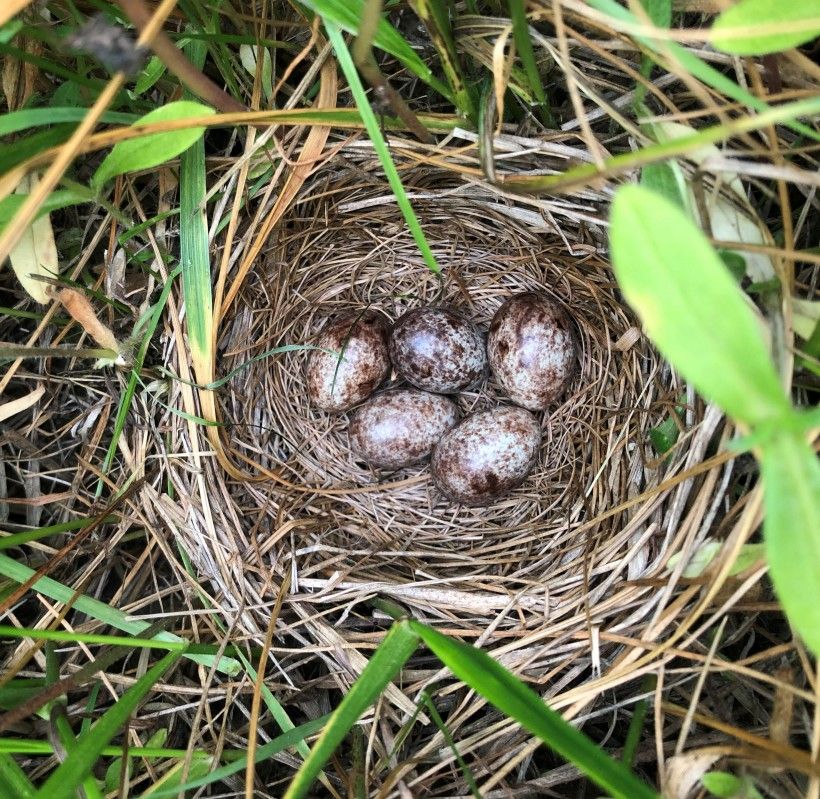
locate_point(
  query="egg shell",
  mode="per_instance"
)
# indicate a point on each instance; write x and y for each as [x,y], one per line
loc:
[335,385]
[531,350]
[400,427]
[487,455]
[437,349]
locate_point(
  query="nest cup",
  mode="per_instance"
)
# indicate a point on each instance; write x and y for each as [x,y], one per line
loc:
[555,548]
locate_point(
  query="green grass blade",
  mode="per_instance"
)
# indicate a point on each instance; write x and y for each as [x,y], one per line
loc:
[691,307]
[750,26]
[791,529]
[66,778]
[399,643]
[145,152]
[104,613]
[507,693]
[436,18]
[660,12]
[193,244]
[692,63]
[15,121]
[667,149]
[523,44]
[347,14]
[379,144]
[279,744]
[14,784]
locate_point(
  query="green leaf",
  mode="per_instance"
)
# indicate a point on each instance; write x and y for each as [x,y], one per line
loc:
[65,779]
[691,306]
[664,436]
[172,779]
[666,178]
[728,786]
[149,151]
[757,27]
[791,529]
[62,198]
[26,118]
[153,71]
[399,643]
[523,44]
[506,692]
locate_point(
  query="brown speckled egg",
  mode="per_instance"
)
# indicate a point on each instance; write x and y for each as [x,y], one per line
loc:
[400,427]
[531,350]
[438,350]
[335,385]
[487,455]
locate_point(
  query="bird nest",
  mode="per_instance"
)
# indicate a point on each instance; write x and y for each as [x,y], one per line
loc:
[563,553]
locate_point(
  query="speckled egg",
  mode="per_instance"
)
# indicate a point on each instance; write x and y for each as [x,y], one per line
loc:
[531,350]
[437,349]
[400,427]
[487,455]
[335,385]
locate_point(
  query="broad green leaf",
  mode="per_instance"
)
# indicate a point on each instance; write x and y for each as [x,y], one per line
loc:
[248,55]
[149,151]
[516,700]
[806,316]
[757,27]
[791,529]
[691,307]
[65,779]
[399,643]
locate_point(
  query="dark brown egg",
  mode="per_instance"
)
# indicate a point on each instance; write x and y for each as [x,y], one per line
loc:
[400,427]
[531,350]
[335,384]
[438,350]
[487,455]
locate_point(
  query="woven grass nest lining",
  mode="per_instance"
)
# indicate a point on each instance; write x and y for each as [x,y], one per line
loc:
[352,533]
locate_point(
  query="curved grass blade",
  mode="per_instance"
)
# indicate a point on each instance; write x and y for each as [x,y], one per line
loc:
[507,693]
[691,307]
[791,529]
[14,783]
[399,643]
[65,779]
